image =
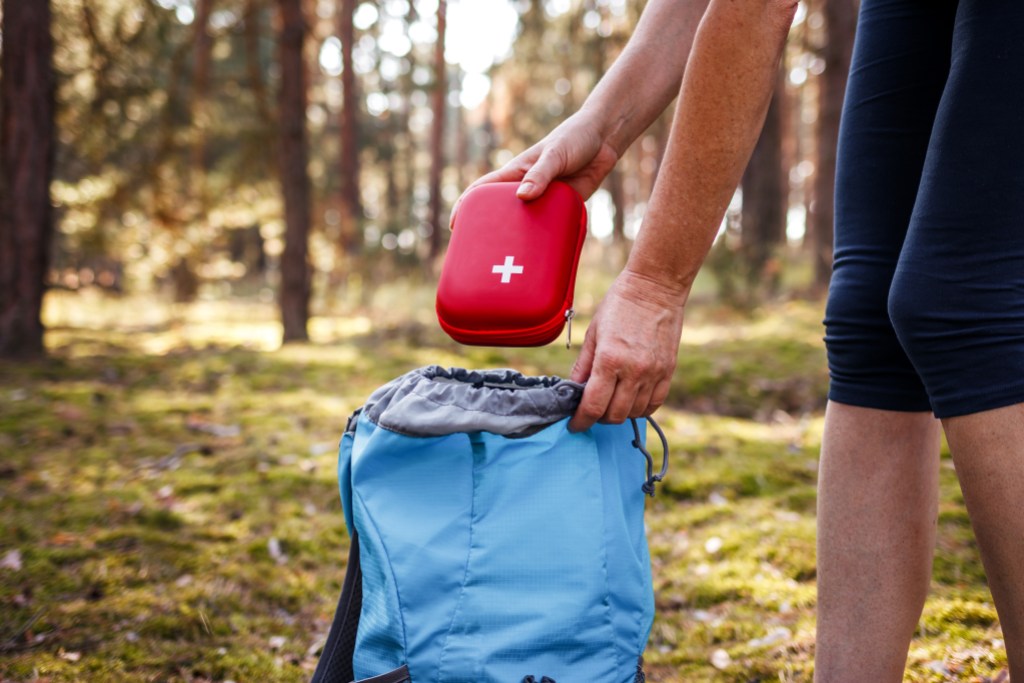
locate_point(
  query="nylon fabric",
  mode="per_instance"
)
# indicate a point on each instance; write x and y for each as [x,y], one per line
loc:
[486,557]
[434,401]
[926,302]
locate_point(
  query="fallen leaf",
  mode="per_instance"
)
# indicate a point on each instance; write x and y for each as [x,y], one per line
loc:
[717,499]
[198,424]
[69,412]
[773,637]
[322,448]
[274,548]
[63,538]
[277,642]
[12,560]
[316,647]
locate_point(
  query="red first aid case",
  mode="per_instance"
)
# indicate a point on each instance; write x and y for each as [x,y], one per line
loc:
[509,273]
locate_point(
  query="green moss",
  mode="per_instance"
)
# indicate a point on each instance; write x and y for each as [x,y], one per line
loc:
[945,614]
[153,567]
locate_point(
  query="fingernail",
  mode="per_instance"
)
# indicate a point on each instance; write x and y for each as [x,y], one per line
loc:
[525,188]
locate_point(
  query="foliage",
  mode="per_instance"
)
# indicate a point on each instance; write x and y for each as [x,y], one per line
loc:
[170,508]
[157,166]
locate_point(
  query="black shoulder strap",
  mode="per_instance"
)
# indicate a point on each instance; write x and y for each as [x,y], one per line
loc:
[335,664]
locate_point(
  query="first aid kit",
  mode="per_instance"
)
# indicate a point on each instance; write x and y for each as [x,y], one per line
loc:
[510,270]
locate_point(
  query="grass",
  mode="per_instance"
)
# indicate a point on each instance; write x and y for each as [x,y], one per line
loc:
[169,508]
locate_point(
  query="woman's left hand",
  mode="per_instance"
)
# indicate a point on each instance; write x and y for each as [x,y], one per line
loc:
[629,352]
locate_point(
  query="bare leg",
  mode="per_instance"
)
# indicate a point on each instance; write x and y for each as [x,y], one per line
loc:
[877,507]
[988,450]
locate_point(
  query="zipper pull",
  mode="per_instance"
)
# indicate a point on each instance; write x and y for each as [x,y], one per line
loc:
[569,315]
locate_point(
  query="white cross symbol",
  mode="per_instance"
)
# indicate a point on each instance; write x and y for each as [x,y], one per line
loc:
[507,270]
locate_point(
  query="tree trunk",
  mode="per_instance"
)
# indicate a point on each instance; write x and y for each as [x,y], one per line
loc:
[840,27]
[765,198]
[461,148]
[252,62]
[617,193]
[351,202]
[295,187]
[26,168]
[183,275]
[437,133]
[202,53]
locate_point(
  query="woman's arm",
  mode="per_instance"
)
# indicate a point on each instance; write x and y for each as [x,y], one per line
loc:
[635,91]
[630,350]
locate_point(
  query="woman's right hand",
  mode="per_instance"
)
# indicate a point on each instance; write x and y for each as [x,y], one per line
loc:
[575,152]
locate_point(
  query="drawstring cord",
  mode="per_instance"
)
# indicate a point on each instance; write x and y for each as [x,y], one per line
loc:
[652,478]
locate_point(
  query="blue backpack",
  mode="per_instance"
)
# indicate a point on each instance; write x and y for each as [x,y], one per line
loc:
[489,543]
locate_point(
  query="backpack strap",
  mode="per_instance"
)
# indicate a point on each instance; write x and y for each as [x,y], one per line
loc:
[335,665]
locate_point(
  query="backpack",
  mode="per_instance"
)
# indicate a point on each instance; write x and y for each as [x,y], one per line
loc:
[489,544]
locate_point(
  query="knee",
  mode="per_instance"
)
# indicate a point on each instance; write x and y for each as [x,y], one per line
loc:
[917,306]
[867,364]
[856,323]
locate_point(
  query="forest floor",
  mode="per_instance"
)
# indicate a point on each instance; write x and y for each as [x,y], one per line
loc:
[169,506]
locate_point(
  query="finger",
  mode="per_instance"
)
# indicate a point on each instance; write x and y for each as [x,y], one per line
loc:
[621,403]
[549,166]
[585,361]
[594,404]
[641,402]
[658,396]
[511,172]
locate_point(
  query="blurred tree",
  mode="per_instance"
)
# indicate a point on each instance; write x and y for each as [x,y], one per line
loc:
[765,187]
[26,170]
[839,28]
[186,283]
[254,66]
[437,155]
[293,166]
[202,47]
[351,203]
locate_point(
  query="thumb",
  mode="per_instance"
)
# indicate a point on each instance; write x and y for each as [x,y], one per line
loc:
[585,361]
[548,166]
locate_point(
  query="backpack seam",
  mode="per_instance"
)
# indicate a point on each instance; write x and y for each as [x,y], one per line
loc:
[391,570]
[465,572]
[606,600]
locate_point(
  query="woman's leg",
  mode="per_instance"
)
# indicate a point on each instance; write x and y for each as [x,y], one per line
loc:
[988,450]
[877,502]
[957,299]
[879,463]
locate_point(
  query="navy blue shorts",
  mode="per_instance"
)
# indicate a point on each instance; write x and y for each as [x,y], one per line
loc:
[926,305]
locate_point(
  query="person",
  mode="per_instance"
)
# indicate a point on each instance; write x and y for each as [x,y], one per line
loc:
[925,316]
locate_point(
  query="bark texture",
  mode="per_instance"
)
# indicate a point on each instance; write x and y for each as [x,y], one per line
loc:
[295,186]
[26,168]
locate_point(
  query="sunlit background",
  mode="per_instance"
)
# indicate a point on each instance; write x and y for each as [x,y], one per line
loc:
[166,177]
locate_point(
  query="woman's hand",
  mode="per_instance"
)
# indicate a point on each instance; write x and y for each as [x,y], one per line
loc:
[575,152]
[630,351]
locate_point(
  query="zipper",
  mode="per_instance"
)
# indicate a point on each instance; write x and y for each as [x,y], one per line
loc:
[539,334]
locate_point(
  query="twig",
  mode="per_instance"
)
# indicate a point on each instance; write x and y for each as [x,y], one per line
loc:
[12,642]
